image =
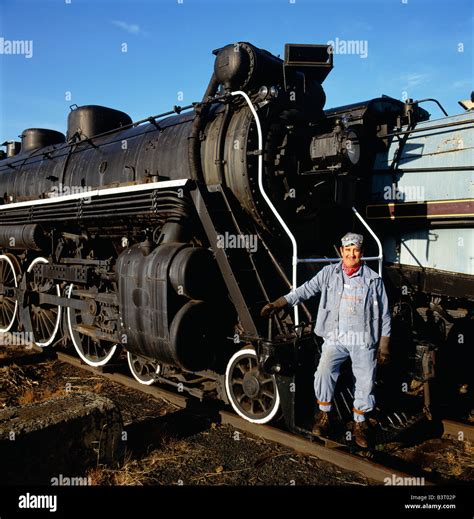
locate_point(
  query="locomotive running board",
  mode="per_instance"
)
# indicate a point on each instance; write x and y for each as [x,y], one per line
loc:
[143,199]
[97,193]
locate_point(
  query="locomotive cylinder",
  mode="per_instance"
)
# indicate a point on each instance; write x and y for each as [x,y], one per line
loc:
[160,319]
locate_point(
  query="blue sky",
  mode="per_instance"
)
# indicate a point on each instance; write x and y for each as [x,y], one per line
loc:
[413,49]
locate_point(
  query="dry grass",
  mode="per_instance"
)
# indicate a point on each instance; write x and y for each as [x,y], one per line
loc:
[15,381]
[172,443]
[468,447]
[457,470]
[99,476]
[97,388]
[27,397]
[140,472]
[30,396]
[450,457]
[452,461]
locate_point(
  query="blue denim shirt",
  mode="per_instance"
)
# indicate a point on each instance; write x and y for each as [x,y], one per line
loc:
[373,300]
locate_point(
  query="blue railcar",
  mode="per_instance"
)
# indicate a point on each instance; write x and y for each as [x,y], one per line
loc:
[422,202]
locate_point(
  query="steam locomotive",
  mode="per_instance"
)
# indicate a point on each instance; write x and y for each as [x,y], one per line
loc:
[164,238]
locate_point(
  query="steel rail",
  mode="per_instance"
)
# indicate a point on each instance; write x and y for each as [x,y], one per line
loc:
[331,452]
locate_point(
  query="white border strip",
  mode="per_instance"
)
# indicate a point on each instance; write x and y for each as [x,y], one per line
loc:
[47,342]
[97,192]
[375,237]
[267,199]
[5,257]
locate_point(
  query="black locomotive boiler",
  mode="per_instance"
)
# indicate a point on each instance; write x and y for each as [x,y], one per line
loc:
[164,238]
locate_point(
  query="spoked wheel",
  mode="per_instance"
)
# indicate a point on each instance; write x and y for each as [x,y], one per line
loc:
[45,318]
[253,394]
[94,351]
[143,370]
[9,270]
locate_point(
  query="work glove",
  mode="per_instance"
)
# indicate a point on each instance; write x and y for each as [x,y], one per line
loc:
[383,351]
[273,307]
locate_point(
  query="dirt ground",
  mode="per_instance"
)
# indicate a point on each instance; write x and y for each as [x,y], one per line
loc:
[169,446]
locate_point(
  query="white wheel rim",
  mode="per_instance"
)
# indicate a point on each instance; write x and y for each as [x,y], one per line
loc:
[58,319]
[244,353]
[135,376]
[12,267]
[88,361]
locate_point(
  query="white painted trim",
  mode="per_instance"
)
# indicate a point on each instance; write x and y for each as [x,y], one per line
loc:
[235,407]
[135,376]
[97,192]
[269,202]
[374,236]
[12,266]
[77,348]
[40,259]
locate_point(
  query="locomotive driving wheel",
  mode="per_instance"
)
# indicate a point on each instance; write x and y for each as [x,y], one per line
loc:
[142,369]
[87,328]
[44,317]
[9,270]
[252,393]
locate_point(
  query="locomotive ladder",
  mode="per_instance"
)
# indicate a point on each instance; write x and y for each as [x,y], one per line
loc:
[245,285]
[295,259]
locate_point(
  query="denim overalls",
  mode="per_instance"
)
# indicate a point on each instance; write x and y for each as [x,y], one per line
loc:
[347,342]
[352,314]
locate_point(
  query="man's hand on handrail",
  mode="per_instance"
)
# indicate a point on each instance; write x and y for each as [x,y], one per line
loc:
[269,309]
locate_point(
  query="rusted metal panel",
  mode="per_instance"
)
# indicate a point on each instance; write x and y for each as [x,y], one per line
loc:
[434,164]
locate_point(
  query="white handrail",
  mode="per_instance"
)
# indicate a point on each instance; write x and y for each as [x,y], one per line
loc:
[267,199]
[378,258]
[333,260]
[374,236]
[295,259]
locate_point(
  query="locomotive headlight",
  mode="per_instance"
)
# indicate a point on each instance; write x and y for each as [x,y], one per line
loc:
[351,147]
[263,92]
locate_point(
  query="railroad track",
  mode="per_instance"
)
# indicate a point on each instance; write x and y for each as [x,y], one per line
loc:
[326,450]
[329,451]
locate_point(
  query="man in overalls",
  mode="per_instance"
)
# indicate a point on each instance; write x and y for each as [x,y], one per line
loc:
[354,320]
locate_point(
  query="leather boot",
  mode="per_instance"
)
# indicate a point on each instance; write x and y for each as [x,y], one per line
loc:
[360,434]
[322,424]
